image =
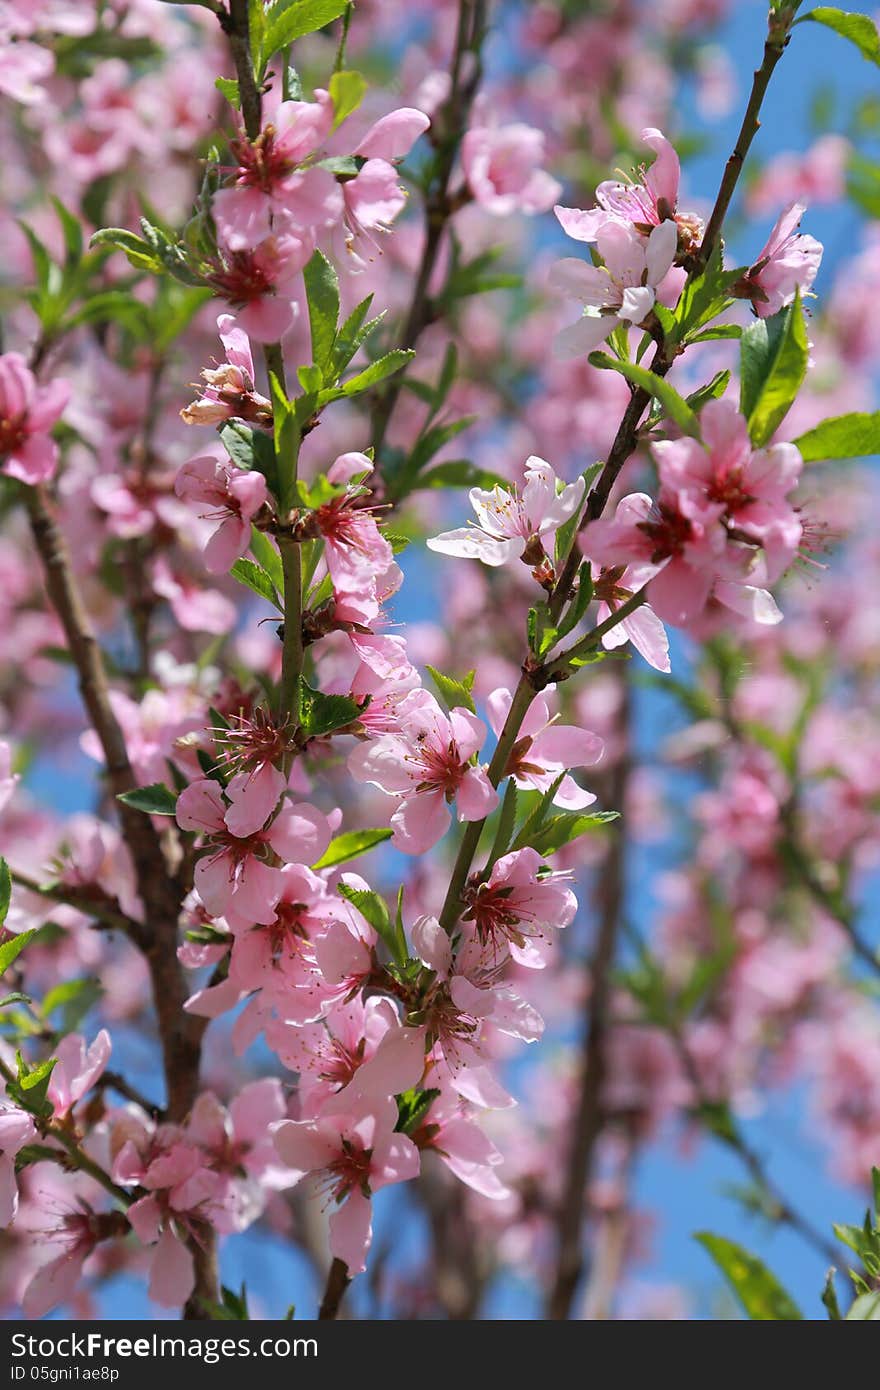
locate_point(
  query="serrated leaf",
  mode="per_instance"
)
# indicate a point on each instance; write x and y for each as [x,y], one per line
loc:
[860,29]
[286,22]
[267,557]
[374,908]
[561,829]
[255,578]
[137,251]
[10,950]
[758,1290]
[773,362]
[675,406]
[228,87]
[377,371]
[350,845]
[347,91]
[154,800]
[322,714]
[453,692]
[322,292]
[841,437]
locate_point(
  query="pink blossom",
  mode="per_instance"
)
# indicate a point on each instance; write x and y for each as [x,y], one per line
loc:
[23,67]
[358,1050]
[788,262]
[512,524]
[466,1150]
[644,205]
[393,136]
[464,998]
[16,1130]
[233,879]
[678,549]
[503,168]
[260,283]
[622,290]
[27,414]
[270,192]
[545,750]
[750,485]
[614,587]
[77,1069]
[516,908]
[195,608]
[427,764]
[354,1154]
[234,497]
[229,389]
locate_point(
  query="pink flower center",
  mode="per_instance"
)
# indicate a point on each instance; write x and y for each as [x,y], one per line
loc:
[242,279]
[13,433]
[262,164]
[669,533]
[349,1171]
[442,768]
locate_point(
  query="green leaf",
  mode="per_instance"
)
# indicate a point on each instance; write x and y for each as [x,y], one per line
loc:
[454,693]
[375,909]
[72,232]
[256,579]
[412,1107]
[286,22]
[759,1291]
[251,449]
[228,87]
[155,800]
[377,371]
[286,442]
[267,557]
[566,826]
[137,251]
[353,333]
[773,363]
[460,473]
[350,845]
[13,948]
[829,1298]
[676,406]
[32,1085]
[710,392]
[322,290]
[347,91]
[866,1308]
[5,889]
[322,714]
[841,437]
[703,298]
[858,28]
[505,828]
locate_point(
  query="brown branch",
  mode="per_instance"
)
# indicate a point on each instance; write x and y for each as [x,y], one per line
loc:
[440,206]
[236,26]
[179,1033]
[337,1282]
[589,1118]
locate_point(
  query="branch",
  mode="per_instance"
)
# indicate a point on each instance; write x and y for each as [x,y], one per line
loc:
[236,27]
[337,1282]
[589,1118]
[439,205]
